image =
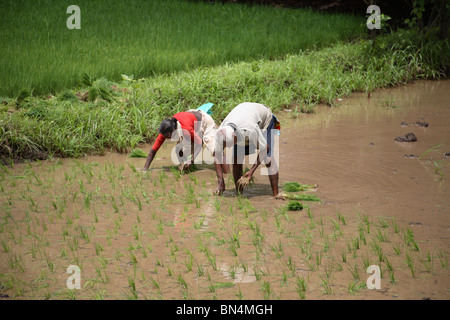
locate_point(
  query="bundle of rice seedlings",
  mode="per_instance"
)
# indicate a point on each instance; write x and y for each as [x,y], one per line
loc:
[294,206]
[138,153]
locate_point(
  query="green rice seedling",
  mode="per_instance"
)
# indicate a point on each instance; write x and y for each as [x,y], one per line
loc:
[397,249]
[355,286]
[328,269]
[356,243]
[354,271]
[326,285]
[376,248]
[383,223]
[277,249]
[411,265]
[309,213]
[367,223]
[390,269]
[318,259]
[133,291]
[290,265]
[301,287]
[217,204]
[344,255]
[266,289]
[200,270]
[336,227]
[409,239]
[395,226]
[442,259]
[382,236]
[428,262]
[5,245]
[366,262]
[84,233]
[16,262]
[182,282]
[212,259]
[341,218]
[98,248]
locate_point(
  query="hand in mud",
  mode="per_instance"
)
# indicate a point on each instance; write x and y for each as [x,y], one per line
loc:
[143,170]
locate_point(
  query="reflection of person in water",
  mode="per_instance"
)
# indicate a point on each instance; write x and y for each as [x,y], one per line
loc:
[248,127]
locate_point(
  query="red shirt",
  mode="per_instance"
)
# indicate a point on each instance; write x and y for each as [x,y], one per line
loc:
[188,122]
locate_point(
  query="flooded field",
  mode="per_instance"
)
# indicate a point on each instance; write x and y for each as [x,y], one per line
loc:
[162,235]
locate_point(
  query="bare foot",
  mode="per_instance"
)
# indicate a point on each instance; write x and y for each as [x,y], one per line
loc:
[220,188]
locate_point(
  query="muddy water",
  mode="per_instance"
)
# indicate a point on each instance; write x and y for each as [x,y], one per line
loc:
[165,235]
[351,153]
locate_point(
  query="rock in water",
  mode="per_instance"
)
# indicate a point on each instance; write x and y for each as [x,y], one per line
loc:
[409,137]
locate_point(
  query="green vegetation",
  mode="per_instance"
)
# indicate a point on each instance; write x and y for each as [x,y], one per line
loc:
[295,187]
[294,206]
[138,153]
[31,127]
[143,38]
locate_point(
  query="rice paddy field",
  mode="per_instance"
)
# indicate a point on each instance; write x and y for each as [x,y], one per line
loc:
[143,38]
[76,105]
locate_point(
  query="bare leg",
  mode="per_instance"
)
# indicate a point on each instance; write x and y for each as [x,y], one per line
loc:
[237,174]
[273,178]
[220,181]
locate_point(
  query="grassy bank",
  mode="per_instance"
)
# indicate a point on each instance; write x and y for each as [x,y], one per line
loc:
[144,38]
[120,115]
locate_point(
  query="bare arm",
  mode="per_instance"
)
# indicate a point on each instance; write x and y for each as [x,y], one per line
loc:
[250,173]
[150,157]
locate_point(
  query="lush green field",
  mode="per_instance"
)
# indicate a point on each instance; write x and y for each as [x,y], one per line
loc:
[103,114]
[143,38]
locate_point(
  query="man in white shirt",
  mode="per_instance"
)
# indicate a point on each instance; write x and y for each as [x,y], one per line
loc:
[247,128]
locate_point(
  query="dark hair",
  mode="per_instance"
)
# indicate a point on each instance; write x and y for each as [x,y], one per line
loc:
[168,126]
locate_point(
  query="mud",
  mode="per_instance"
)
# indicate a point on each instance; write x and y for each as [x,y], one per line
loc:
[163,235]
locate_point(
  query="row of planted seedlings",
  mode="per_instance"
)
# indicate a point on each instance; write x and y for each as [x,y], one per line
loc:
[99,217]
[162,235]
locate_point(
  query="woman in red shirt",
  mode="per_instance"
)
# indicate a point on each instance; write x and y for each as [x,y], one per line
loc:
[189,123]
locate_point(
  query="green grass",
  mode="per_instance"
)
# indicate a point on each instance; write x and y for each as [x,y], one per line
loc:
[143,38]
[32,127]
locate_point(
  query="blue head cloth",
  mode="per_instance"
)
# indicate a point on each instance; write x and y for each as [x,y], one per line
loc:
[206,108]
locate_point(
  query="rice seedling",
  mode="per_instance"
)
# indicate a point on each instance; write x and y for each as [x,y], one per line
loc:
[428,262]
[443,259]
[382,236]
[390,270]
[408,237]
[411,265]
[341,218]
[355,286]
[326,285]
[397,249]
[354,271]
[395,225]
[266,289]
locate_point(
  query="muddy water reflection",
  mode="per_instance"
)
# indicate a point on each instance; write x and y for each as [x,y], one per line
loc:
[351,153]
